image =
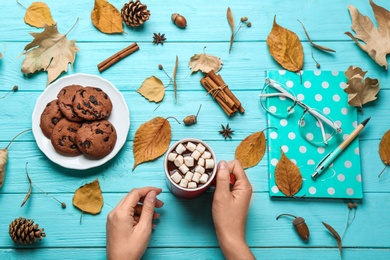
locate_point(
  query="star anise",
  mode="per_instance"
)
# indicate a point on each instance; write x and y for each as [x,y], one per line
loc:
[226,131]
[159,38]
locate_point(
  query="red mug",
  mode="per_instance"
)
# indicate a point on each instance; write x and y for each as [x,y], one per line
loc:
[189,193]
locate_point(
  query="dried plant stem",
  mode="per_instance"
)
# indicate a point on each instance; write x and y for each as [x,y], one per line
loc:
[312,56]
[382,171]
[77,20]
[6,94]
[16,137]
[174,78]
[173,118]
[21,4]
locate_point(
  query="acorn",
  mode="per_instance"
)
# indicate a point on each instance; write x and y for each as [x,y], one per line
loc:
[299,225]
[192,119]
[179,20]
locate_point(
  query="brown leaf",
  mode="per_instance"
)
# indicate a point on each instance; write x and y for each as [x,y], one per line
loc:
[205,63]
[377,40]
[384,150]
[360,90]
[174,77]
[38,15]
[88,198]
[3,165]
[49,51]
[335,235]
[151,140]
[152,89]
[287,176]
[322,48]
[229,16]
[251,150]
[106,17]
[29,189]
[285,47]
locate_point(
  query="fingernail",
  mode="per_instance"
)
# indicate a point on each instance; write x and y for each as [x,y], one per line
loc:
[222,165]
[151,196]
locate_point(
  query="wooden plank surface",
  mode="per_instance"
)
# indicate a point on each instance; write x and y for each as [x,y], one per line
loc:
[185,229]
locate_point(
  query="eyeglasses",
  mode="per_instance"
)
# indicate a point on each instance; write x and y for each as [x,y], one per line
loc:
[314,126]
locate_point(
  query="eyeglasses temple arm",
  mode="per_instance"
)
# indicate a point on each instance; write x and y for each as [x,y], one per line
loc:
[277,86]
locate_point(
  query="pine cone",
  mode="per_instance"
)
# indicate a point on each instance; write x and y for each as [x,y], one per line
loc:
[23,231]
[135,13]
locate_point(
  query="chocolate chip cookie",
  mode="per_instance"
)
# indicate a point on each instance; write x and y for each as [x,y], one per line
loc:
[92,104]
[50,116]
[65,101]
[97,138]
[63,137]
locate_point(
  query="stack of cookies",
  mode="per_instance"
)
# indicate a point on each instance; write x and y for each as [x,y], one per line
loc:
[77,122]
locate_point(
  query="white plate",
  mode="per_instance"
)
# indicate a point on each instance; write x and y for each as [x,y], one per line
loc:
[119,117]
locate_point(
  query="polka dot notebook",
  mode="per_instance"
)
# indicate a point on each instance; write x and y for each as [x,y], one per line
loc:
[321,90]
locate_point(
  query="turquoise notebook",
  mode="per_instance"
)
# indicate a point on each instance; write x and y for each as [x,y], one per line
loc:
[321,90]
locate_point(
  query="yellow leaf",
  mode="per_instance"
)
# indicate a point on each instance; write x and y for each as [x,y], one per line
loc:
[285,47]
[3,165]
[251,150]
[287,176]
[88,198]
[38,15]
[152,89]
[151,140]
[384,150]
[205,63]
[106,17]
[49,51]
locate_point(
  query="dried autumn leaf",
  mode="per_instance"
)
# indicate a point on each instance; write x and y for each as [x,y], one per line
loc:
[384,150]
[285,47]
[174,77]
[38,15]
[251,150]
[88,198]
[287,176]
[49,51]
[360,90]
[377,40]
[335,235]
[322,48]
[205,63]
[230,18]
[151,140]
[106,17]
[29,189]
[152,89]
[3,164]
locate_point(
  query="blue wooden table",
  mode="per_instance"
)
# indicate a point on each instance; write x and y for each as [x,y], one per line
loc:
[185,229]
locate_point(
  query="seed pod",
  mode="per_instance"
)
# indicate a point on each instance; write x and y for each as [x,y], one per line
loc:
[191,119]
[299,225]
[179,20]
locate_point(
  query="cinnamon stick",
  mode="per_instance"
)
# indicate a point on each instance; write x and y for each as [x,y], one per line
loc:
[220,101]
[217,91]
[117,57]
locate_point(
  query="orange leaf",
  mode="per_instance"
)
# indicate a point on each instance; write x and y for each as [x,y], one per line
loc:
[384,150]
[89,198]
[251,150]
[151,140]
[285,47]
[38,14]
[287,176]
[106,17]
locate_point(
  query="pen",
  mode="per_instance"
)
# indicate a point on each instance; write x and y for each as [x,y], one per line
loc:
[328,159]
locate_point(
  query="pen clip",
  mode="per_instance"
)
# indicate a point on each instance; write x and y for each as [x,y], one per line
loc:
[323,159]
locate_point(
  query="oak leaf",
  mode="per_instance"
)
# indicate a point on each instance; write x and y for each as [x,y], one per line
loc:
[205,63]
[377,41]
[335,235]
[152,89]
[287,176]
[360,90]
[285,47]
[151,140]
[384,150]
[251,150]
[49,51]
[88,198]
[38,15]
[106,17]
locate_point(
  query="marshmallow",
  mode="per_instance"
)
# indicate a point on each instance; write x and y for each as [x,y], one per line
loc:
[192,185]
[199,169]
[179,161]
[172,157]
[200,147]
[196,177]
[188,176]
[196,154]
[176,177]
[183,183]
[180,149]
[204,178]
[189,161]
[210,164]
[191,146]
[201,162]
[206,155]
[183,168]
